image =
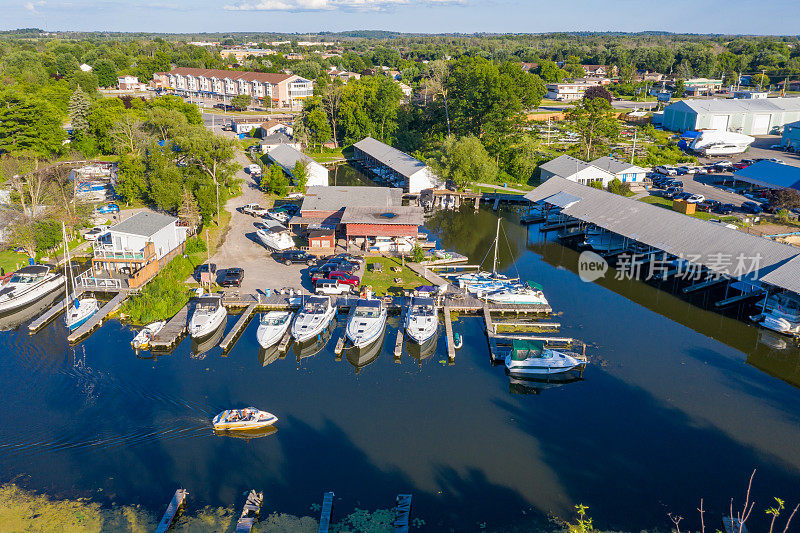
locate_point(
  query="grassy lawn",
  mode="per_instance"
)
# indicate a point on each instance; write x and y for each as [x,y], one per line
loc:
[499,188]
[702,215]
[383,282]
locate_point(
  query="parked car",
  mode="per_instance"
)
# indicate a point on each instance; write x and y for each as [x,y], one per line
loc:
[348,257]
[95,232]
[752,208]
[254,210]
[205,271]
[327,268]
[707,205]
[725,209]
[740,165]
[343,277]
[747,161]
[294,256]
[107,209]
[672,191]
[695,198]
[682,196]
[667,171]
[776,160]
[233,277]
[331,287]
[254,170]
[343,263]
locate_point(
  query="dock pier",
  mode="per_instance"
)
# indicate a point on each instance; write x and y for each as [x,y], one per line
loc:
[252,508]
[237,328]
[325,515]
[172,331]
[97,319]
[448,328]
[174,507]
[402,513]
[51,313]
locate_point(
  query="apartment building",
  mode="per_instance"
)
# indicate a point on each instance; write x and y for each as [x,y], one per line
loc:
[574,90]
[281,90]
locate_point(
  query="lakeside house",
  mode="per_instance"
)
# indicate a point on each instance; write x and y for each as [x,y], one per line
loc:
[624,172]
[573,169]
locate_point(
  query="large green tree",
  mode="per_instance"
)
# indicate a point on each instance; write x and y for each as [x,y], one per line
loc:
[465,161]
[596,123]
[29,124]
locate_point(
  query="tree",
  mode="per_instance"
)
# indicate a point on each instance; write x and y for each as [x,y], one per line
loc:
[28,124]
[275,181]
[318,126]
[241,101]
[331,101]
[595,122]
[759,80]
[300,174]
[784,198]
[210,153]
[437,83]
[189,211]
[106,72]
[465,161]
[598,91]
[680,88]
[79,108]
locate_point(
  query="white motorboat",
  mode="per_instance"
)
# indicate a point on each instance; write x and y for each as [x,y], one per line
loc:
[531,358]
[81,310]
[27,285]
[422,319]
[366,322]
[243,419]
[517,294]
[208,314]
[392,244]
[719,142]
[272,327]
[781,313]
[315,315]
[275,238]
[142,339]
[366,355]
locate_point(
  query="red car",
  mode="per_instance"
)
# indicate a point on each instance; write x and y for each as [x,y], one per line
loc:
[343,277]
[740,165]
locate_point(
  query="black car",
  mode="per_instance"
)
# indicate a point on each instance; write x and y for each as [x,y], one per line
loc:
[233,277]
[294,256]
[752,208]
[342,266]
[725,209]
[672,191]
[708,205]
[204,268]
[682,196]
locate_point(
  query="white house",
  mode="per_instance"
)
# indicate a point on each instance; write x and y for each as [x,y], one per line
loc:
[84,67]
[573,169]
[273,126]
[287,156]
[130,83]
[624,172]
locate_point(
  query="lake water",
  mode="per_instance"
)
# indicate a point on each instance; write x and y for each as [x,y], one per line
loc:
[678,403]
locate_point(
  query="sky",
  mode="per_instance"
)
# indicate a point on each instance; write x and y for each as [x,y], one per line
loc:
[424,16]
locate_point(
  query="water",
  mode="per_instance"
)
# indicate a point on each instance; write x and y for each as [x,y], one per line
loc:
[678,403]
[345,174]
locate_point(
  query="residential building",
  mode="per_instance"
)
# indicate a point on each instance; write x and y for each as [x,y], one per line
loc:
[624,172]
[240,54]
[244,124]
[572,169]
[287,156]
[396,167]
[278,138]
[406,89]
[138,247]
[647,75]
[770,175]
[130,83]
[274,125]
[701,86]
[343,75]
[528,67]
[747,116]
[750,95]
[791,136]
[570,91]
[85,68]
[281,90]
[601,71]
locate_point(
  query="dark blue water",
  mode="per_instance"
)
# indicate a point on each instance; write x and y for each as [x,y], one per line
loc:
[678,404]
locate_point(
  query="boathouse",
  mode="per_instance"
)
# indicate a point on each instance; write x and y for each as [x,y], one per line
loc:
[371,222]
[394,166]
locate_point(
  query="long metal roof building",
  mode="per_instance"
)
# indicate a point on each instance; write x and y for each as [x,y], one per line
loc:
[741,115]
[722,250]
[400,162]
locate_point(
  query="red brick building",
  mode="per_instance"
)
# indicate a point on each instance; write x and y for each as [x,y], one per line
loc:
[370,222]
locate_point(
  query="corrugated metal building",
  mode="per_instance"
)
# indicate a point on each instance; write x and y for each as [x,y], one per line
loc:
[287,157]
[771,175]
[791,136]
[573,169]
[397,167]
[750,117]
[398,221]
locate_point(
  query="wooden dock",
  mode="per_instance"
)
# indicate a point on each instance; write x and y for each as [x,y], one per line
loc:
[487,319]
[448,328]
[173,330]
[398,343]
[340,344]
[97,318]
[325,515]
[402,513]
[51,313]
[237,328]
[283,346]
[252,508]
[178,501]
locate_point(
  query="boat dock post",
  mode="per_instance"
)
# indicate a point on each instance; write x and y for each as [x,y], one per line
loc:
[51,313]
[237,328]
[487,319]
[252,508]
[97,318]
[177,503]
[325,515]
[448,328]
[402,513]
[283,346]
[172,330]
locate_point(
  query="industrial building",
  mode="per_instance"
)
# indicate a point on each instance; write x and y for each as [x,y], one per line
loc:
[394,167]
[791,136]
[747,116]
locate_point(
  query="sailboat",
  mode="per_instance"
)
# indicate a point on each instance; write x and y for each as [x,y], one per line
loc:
[83,308]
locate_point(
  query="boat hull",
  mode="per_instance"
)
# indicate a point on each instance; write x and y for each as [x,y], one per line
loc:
[269,335]
[204,329]
[33,294]
[304,330]
[362,333]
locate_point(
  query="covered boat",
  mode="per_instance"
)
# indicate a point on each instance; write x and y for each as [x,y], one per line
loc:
[781,313]
[142,339]
[720,142]
[529,293]
[531,358]
[274,236]
[243,419]
[421,320]
[208,314]
[272,327]
[315,315]
[366,322]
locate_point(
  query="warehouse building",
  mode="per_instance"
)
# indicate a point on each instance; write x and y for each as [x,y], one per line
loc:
[394,167]
[791,137]
[747,116]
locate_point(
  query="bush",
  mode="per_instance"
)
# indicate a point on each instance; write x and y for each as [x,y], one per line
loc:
[597,184]
[417,254]
[194,246]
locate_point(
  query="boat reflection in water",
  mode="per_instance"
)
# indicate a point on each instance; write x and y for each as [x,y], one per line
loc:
[424,350]
[361,357]
[14,319]
[269,355]
[201,346]
[313,346]
[247,434]
[517,385]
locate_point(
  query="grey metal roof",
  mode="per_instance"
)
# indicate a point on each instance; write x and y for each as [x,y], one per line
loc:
[143,223]
[334,198]
[615,166]
[400,162]
[397,215]
[720,249]
[562,199]
[566,166]
[786,276]
[279,137]
[738,105]
[288,156]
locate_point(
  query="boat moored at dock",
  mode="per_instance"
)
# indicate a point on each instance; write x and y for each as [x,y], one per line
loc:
[422,320]
[366,322]
[531,358]
[208,314]
[272,327]
[315,315]
[27,285]
[142,339]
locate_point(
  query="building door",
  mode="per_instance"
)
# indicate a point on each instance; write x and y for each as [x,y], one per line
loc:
[720,122]
[761,124]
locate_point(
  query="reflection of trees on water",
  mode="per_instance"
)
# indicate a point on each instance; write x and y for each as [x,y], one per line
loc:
[472,234]
[349,176]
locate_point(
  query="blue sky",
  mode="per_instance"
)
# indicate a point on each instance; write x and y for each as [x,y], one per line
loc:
[430,16]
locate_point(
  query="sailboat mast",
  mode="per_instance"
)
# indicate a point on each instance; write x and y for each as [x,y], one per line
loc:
[496,246]
[69,262]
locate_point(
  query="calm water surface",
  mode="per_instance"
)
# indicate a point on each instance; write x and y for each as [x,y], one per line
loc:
[678,403]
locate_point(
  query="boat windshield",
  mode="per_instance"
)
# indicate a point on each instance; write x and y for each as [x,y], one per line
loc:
[524,349]
[423,310]
[25,278]
[275,320]
[315,308]
[367,312]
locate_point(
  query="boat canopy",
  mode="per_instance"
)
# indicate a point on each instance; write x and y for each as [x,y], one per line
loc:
[521,349]
[534,285]
[209,300]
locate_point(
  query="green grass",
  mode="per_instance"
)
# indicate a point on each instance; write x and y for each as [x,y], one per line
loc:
[383,282]
[328,155]
[501,189]
[702,215]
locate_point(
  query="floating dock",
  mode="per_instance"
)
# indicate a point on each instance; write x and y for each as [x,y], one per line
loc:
[325,515]
[398,343]
[97,318]
[448,328]
[402,513]
[237,328]
[172,331]
[51,313]
[252,508]
[177,503]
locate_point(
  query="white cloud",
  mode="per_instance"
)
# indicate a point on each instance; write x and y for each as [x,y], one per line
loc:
[327,5]
[31,6]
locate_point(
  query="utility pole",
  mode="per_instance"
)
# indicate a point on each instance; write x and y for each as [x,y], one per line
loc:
[761,79]
[633,151]
[549,121]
